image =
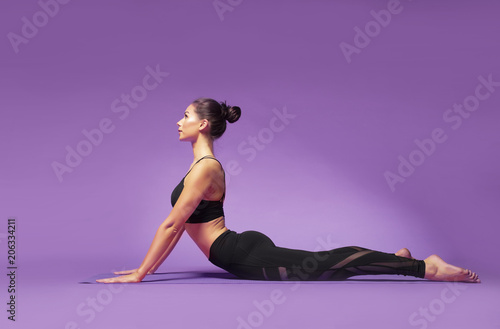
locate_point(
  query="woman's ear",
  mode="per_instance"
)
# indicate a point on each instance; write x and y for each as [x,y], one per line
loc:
[203,124]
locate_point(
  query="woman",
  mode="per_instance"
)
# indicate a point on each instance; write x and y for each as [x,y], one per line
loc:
[197,208]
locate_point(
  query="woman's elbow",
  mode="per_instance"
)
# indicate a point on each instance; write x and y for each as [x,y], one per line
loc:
[175,227]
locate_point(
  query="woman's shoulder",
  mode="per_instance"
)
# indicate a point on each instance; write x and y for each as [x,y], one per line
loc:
[210,159]
[206,165]
[208,162]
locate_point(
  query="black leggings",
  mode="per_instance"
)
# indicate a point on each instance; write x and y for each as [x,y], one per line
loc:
[252,255]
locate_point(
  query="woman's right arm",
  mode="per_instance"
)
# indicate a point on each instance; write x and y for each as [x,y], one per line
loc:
[168,232]
[163,257]
[168,251]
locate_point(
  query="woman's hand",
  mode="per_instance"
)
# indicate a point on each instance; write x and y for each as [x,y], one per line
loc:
[151,271]
[132,277]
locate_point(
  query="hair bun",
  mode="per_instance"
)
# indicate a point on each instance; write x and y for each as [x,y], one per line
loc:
[230,113]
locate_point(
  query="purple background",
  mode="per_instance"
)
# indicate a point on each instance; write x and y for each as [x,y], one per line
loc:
[320,178]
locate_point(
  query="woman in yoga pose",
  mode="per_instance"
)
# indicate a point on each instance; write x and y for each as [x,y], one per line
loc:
[197,208]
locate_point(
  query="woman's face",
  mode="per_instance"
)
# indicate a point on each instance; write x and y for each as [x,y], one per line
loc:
[189,125]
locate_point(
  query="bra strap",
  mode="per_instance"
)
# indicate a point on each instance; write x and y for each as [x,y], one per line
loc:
[209,157]
[197,162]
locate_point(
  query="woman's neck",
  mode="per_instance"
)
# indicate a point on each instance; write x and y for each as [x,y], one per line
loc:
[202,147]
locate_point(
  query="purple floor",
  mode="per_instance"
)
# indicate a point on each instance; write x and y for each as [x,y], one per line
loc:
[206,297]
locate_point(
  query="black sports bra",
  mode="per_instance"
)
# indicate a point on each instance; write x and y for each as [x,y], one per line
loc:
[206,210]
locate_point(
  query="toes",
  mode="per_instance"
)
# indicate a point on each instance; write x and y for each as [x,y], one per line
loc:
[472,276]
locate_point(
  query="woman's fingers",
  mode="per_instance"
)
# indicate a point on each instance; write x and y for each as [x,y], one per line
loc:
[103,280]
[124,278]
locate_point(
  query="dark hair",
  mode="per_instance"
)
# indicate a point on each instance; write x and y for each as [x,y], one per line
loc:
[217,114]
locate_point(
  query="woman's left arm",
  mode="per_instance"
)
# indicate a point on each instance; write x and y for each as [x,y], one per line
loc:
[173,226]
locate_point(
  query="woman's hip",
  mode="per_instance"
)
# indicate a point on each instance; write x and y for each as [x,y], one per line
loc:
[230,246]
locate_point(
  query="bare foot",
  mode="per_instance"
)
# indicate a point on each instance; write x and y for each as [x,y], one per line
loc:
[404,253]
[437,269]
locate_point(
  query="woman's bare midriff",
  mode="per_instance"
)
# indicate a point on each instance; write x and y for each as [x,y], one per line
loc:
[204,234]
